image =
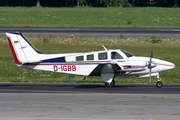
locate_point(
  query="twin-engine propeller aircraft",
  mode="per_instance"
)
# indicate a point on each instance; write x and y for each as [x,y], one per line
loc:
[106,63]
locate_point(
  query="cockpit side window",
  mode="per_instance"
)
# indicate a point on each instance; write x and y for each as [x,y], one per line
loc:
[127,53]
[115,55]
[102,56]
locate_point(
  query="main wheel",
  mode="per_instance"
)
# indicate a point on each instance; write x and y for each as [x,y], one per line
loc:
[159,84]
[111,84]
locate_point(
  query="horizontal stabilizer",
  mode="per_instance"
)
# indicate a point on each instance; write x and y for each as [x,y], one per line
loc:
[31,62]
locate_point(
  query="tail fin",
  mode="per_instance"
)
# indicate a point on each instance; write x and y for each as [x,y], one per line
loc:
[22,50]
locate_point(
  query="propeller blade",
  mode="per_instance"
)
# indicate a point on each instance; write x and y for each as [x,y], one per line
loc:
[150,75]
[152,53]
[150,66]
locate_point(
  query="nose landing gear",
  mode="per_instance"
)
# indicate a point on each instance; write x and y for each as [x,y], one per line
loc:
[159,84]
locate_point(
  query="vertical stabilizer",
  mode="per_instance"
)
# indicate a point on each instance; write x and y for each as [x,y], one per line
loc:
[22,50]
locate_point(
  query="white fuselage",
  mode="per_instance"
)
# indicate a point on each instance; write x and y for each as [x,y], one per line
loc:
[86,63]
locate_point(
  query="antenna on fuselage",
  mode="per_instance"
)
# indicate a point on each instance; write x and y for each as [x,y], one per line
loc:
[104,47]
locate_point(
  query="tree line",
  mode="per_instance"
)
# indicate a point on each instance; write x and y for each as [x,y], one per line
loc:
[91,3]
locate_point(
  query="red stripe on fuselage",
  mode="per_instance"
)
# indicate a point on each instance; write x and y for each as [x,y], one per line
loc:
[164,64]
[13,52]
[67,63]
[132,67]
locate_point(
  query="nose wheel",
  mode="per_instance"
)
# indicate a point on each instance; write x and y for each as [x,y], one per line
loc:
[159,84]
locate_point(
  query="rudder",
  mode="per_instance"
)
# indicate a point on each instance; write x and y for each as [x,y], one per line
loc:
[22,50]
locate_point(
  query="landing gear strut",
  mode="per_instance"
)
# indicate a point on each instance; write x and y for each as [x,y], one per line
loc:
[110,84]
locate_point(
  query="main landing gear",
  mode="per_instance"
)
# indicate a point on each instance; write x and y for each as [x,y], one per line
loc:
[110,84]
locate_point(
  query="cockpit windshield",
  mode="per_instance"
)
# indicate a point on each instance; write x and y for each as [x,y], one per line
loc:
[127,53]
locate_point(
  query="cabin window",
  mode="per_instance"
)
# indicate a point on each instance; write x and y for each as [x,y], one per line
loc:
[115,55]
[79,58]
[90,57]
[102,56]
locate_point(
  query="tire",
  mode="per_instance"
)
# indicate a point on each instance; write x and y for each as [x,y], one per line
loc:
[111,84]
[159,84]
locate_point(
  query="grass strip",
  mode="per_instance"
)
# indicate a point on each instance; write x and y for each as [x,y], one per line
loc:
[142,17]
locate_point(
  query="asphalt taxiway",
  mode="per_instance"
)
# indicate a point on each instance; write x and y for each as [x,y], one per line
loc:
[88,102]
[94,32]
[89,88]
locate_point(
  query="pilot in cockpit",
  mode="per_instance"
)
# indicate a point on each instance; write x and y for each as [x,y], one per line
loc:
[113,55]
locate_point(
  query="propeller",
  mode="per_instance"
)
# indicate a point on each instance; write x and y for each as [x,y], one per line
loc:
[150,65]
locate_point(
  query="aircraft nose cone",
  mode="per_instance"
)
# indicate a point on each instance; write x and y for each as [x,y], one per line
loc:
[165,65]
[173,65]
[169,64]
